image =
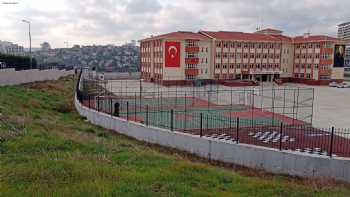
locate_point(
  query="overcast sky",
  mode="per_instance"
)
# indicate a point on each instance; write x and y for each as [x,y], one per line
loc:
[88,22]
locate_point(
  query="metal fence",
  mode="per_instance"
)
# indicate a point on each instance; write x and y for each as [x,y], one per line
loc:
[275,118]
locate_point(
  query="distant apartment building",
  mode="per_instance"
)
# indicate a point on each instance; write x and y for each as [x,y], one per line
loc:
[264,55]
[11,48]
[344,34]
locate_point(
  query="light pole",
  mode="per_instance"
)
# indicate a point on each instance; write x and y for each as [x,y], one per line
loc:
[30,42]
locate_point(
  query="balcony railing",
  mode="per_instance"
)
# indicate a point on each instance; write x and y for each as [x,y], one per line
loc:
[191,71]
[192,49]
[191,60]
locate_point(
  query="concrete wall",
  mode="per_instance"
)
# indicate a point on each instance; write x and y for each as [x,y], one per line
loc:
[12,77]
[271,160]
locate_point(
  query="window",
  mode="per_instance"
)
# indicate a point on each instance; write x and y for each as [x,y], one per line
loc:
[259,45]
[218,44]
[328,45]
[239,55]
[217,66]
[232,45]
[231,66]
[206,60]
[309,66]
[245,45]
[238,66]
[308,76]
[245,55]
[316,66]
[239,45]
[252,55]
[232,55]
[206,49]
[218,55]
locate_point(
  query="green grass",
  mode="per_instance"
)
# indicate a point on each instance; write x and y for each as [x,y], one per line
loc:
[47,149]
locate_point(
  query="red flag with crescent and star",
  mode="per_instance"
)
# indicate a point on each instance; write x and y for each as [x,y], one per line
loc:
[172,54]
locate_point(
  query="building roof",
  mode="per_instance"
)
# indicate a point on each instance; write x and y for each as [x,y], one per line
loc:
[314,38]
[344,24]
[186,35]
[269,31]
[227,35]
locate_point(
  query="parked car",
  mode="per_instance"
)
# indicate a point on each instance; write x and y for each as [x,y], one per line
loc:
[343,85]
[333,84]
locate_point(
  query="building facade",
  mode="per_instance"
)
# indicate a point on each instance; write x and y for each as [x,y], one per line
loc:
[264,55]
[344,34]
[10,48]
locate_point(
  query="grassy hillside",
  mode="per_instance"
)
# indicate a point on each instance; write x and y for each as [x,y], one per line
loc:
[47,149]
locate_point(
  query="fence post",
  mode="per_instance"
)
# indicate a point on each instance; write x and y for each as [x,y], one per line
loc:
[147,115]
[127,111]
[201,128]
[89,101]
[281,133]
[110,106]
[98,103]
[172,120]
[331,144]
[237,131]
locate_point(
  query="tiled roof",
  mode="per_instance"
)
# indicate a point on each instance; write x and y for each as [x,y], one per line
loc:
[227,35]
[313,38]
[269,30]
[179,35]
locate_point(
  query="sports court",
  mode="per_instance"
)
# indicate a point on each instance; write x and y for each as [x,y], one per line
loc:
[276,117]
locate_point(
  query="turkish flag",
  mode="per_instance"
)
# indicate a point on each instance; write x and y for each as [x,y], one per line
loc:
[172,54]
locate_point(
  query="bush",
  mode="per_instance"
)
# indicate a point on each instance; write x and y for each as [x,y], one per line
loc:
[65,107]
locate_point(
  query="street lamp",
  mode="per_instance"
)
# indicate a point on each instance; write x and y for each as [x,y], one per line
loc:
[30,42]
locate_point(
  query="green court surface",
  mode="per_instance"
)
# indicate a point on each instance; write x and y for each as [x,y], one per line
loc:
[187,113]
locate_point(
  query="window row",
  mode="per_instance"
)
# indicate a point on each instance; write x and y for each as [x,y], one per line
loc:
[248,55]
[238,66]
[231,44]
[308,66]
[309,56]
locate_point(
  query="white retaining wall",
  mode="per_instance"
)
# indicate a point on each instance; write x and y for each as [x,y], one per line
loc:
[271,160]
[12,77]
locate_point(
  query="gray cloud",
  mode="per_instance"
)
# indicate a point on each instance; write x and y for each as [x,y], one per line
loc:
[118,21]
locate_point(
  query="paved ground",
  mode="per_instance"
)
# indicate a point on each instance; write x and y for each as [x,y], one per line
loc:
[331,106]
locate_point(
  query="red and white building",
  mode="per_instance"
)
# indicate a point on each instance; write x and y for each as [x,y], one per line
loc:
[221,56]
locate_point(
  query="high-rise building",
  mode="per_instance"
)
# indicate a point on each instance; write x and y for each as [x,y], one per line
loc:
[344,34]
[264,55]
[11,48]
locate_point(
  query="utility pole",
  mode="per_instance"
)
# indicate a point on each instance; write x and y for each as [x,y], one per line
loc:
[30,43]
